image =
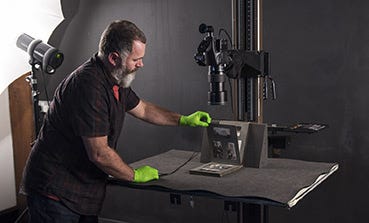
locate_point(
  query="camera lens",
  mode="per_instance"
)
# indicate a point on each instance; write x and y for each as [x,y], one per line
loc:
[217,94]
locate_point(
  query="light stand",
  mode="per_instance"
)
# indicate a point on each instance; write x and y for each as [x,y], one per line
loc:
[32,80]
[42,57]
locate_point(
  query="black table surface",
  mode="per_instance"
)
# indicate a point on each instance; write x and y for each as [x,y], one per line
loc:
[280,182]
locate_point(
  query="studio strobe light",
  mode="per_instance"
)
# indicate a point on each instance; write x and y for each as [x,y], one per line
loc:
[48,57]
[41,57]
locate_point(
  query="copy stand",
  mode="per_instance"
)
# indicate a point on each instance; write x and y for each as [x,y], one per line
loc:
[254,143]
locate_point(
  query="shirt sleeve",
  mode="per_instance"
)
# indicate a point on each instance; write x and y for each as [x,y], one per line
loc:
[90,112]
[132,99]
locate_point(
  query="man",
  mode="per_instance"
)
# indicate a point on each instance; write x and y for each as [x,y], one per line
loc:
[66,172]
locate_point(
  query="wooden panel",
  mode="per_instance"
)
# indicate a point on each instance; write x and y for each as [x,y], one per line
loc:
[23,133]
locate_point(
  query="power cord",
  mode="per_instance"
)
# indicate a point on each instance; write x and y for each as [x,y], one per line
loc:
[227,34]
[20,217]
[44,84]
[194,154]
[231,93]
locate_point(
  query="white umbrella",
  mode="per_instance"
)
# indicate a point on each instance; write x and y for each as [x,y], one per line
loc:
[37,18]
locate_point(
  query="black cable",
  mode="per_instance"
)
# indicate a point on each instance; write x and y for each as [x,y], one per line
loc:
[44,84]
[21,215]
[227,34]
[194,154]
[231,93]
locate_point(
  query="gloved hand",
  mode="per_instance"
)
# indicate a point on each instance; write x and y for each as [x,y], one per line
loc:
[145,174]
[198,118]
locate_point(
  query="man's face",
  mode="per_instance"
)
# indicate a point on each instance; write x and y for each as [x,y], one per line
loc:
[126,73]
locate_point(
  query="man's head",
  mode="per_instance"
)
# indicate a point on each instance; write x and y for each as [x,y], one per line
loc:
[122,47]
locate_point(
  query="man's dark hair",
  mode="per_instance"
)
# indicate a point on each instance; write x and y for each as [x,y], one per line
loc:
[119,36]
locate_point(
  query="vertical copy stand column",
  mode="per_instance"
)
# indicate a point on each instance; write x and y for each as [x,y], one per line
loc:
[238,21]
[248,92]
[246,35]
[256,213]
[253,42]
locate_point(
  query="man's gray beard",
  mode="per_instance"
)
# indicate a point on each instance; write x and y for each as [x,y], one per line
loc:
[124,80]
[128,79]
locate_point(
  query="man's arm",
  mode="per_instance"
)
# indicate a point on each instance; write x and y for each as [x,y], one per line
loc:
[154,114]
[106,158]
[110,162]
[160,116]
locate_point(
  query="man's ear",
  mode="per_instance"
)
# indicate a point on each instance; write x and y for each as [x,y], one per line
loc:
[114,59]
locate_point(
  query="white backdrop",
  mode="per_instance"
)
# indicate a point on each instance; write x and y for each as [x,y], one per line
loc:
[7,179]
[37,18]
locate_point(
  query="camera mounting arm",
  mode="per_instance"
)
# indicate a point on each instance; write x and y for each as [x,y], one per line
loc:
[244,64]
[235,64]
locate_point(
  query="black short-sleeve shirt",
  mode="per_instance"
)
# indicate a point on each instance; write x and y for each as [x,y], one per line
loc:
[84,104]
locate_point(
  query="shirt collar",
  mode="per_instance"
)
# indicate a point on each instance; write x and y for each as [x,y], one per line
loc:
[105,71]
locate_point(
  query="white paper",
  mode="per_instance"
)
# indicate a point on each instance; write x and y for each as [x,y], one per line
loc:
[7,182]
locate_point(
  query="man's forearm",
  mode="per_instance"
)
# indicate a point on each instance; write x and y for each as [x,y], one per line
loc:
[162,116]
[156,115]
[106,158]
[111,163]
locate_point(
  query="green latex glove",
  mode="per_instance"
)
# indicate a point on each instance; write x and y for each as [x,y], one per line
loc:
[198,118]
[145,174]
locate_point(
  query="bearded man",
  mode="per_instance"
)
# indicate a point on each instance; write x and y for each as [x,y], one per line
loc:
[67,170]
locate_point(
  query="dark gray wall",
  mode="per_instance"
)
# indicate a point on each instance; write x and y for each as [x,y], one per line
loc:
[319,60]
